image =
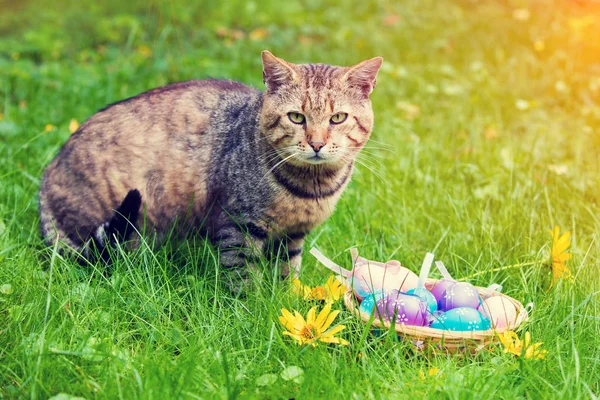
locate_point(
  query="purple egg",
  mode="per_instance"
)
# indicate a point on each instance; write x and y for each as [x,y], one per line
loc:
[404,308]
[461,294]
[440,287]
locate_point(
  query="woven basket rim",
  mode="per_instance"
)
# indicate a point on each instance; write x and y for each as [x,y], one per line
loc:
[432,334]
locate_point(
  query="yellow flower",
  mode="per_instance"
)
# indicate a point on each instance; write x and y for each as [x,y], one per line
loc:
[258,34]
[432,372]
[48,128]
[314,328]
[301,289]
[144,51]
[318,293]
[512,344]
[73,125]
[332,291]
[560,244]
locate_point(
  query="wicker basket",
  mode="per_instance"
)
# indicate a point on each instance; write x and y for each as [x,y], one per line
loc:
[425,338]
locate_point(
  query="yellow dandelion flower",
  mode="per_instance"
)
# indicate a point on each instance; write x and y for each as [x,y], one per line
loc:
[510,341]
[314,329]
[318,293]
[144,51]
[258,34]
[332,291]
[73,125]
[514,345]
[301,289]
[432,372]
[48,128]
[559,255]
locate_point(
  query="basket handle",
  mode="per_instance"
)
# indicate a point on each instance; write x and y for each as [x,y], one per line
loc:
[330,264]
[425,270]
[492,290]
[443,270]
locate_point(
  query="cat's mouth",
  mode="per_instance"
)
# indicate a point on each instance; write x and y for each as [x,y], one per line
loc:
[317,159]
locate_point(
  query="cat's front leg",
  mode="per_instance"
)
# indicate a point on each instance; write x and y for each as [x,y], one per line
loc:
[239,246]
[293,264]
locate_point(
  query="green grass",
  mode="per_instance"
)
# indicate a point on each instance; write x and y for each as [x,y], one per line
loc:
[505,145]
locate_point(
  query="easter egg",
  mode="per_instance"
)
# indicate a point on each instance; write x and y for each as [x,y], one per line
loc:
[403,308]
[368,303]
[500,311]
[461,294]
[440,287]
[370,277]
[461,319]
[427,296]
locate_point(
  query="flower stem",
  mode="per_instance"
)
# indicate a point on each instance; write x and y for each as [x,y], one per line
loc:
[499,269]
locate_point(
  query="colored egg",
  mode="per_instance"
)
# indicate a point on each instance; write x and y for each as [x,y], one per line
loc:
[369,278]
[461,294]
[440,287]
[461,319]
[368,303]
[500,311]
[403,308]
[427,296]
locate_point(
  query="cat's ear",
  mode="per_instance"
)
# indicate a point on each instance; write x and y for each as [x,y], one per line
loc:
[276,71]
[364,75]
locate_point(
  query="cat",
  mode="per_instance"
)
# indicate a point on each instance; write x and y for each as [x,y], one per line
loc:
[254,171]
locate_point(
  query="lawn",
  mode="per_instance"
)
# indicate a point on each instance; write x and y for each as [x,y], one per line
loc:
[487,136]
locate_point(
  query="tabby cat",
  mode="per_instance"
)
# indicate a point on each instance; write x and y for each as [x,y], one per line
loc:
[254,171]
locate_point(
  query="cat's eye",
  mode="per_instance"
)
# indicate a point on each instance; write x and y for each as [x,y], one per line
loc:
[296,118]
[338,118]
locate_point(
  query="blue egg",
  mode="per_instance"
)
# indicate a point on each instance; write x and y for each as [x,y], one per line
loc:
[461,319]
[369,301]
[359,290]
[427,296]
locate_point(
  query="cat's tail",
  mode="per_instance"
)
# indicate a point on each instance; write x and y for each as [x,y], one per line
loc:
[119,227]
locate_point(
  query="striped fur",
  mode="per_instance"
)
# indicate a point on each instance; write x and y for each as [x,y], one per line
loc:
[217,157]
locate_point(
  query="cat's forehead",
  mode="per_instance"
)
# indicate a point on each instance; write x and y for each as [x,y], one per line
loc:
[320,76]
[321,88]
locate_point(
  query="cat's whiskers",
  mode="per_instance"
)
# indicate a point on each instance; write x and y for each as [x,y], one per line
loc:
[274,154]
[278,164]
[373,148]
[373,171]
[270,157]
[378,142]
[346,157]
[372,156]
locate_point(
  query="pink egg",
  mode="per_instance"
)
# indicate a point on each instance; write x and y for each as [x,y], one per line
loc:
[500,311]
[370,278]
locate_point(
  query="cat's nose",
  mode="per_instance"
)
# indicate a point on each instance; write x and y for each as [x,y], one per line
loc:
[316,146]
